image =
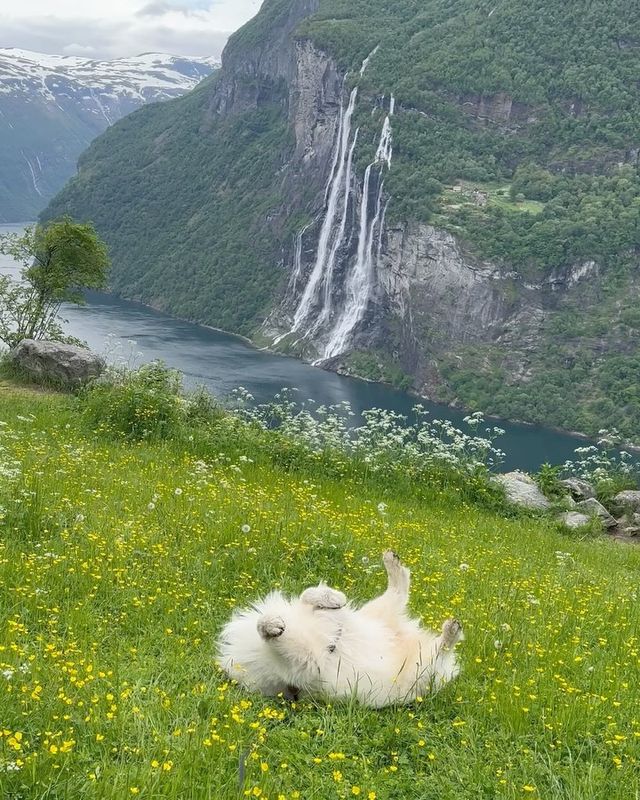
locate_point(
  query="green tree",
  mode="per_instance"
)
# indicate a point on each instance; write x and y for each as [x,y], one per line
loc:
[60,260]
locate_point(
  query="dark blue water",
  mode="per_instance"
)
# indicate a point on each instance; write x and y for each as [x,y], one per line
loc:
[137,334]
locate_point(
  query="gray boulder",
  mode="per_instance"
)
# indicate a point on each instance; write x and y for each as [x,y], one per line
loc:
[630,524]
[628,500]
[595,509]
[578,489]
[522,490]
[573,519]
[61,364]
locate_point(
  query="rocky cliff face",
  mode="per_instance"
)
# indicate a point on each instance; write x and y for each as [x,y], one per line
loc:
[412,292]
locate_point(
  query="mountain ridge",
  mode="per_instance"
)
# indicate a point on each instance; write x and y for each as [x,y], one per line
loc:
[53,106]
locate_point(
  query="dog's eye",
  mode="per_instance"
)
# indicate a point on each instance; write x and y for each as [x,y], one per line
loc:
[332,648]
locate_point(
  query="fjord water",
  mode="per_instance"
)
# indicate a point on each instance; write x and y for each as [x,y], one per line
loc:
[221,362]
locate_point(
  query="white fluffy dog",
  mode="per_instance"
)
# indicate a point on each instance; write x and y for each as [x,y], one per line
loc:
[320,645]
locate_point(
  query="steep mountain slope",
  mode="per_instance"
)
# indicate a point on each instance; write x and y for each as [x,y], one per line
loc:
[51,107]
[445,195]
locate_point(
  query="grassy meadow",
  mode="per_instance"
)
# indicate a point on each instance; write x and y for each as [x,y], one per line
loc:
[121,559]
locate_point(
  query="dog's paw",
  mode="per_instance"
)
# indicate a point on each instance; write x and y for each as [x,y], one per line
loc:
[271,627]
[391,560]
[452,632]
[324,597]
[396,570]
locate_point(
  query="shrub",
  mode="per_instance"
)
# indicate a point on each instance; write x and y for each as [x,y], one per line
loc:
[141,404]
[548,479]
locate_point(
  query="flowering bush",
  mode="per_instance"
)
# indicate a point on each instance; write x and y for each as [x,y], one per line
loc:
[609,470]
[385,442]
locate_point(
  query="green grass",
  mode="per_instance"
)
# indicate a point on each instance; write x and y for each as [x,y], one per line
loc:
[120,561]
[497,195]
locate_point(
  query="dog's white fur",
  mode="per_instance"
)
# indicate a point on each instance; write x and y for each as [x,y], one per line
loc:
[320,645]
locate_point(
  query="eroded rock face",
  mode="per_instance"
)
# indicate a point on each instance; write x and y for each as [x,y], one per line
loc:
[522,490]
[314,105]
[424,268]
[53,362]
[255,76]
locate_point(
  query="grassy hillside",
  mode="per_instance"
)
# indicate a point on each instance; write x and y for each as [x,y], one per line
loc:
[120,560]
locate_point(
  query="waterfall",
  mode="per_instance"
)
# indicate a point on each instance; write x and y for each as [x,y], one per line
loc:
[360,280]
[365,63]
[332,231]
[315,310]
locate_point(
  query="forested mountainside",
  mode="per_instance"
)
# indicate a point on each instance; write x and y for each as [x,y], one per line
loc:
[51,107]
[441,194]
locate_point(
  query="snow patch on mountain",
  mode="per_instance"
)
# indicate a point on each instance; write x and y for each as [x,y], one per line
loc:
[52,107]
[150,76]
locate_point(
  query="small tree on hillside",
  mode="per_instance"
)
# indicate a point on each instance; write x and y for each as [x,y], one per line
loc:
[60,260]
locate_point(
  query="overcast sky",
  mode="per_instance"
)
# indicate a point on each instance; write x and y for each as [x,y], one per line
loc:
[113,28]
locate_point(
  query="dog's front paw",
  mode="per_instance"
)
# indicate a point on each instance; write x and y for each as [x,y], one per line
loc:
[271,627]
[324,597]
[452,632]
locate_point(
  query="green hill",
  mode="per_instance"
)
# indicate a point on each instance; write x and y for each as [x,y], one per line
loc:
[120,560]
[507,274]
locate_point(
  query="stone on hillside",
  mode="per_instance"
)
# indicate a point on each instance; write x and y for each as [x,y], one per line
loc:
[628,500]
[579,489]
[595,509]
[522,490]
[630,524]
[54,362]
[573,519]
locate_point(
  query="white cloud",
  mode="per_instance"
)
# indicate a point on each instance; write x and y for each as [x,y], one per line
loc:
[114,28]
[76,49]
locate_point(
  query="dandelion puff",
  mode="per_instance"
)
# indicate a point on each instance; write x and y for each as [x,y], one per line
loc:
[177,492]
[463,567]
[246,528]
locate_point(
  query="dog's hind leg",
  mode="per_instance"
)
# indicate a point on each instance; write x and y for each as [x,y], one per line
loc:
[391,606]
[399,576]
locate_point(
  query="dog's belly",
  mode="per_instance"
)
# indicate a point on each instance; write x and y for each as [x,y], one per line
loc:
[372,661]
